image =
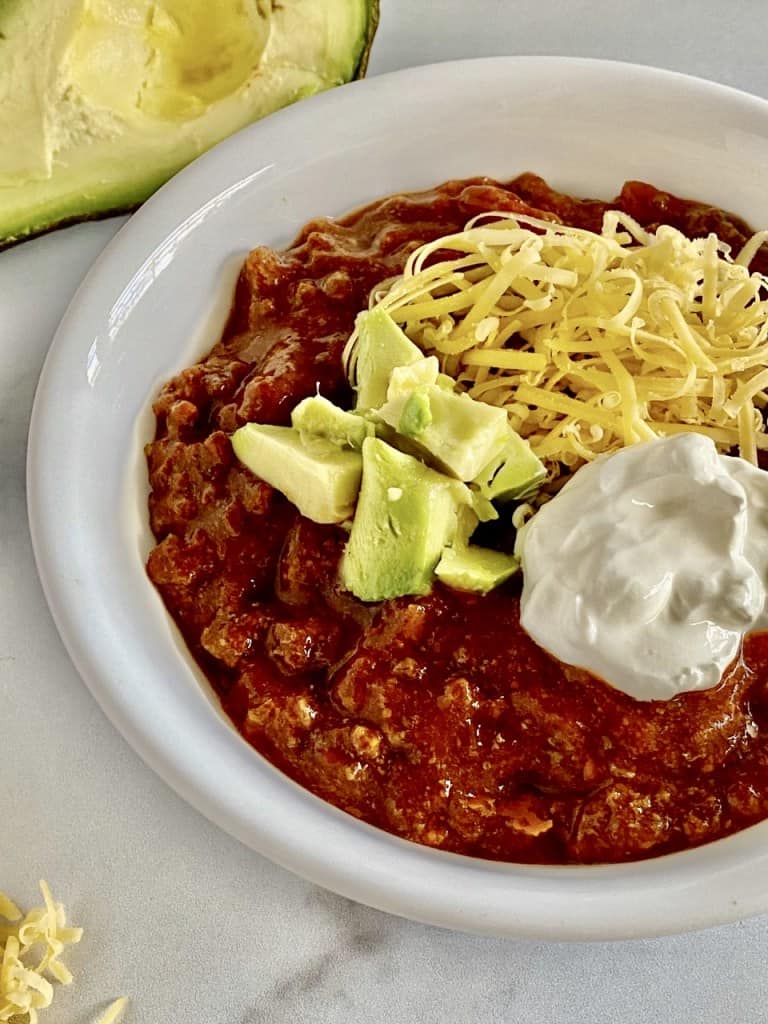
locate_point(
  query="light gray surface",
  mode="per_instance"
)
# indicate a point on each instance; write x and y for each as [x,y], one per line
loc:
[190,924]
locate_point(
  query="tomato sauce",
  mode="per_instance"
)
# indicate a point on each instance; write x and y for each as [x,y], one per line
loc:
[435,718]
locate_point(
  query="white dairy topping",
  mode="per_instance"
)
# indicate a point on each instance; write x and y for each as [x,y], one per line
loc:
[650,565]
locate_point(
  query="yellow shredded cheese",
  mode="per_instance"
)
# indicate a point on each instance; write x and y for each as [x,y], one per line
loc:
[30,947]
[114,1013]
[593,341]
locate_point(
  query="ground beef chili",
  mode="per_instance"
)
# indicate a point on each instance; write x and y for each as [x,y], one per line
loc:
[435,718]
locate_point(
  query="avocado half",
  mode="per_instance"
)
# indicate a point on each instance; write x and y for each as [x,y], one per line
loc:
[103,100]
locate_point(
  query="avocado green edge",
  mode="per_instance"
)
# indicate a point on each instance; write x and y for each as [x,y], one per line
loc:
[132,199]
[128,202]
[370,31]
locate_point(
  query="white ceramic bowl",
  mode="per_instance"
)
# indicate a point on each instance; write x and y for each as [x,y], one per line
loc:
[157,299]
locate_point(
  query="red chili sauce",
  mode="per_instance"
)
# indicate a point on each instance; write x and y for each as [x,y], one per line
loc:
[435,718]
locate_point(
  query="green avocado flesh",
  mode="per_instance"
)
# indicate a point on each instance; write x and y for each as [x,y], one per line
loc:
[381,348]
[316,417]
[513,474]
[406,514]
[322,483]
[475,568]
[415,475]
[458,433]
[104,100]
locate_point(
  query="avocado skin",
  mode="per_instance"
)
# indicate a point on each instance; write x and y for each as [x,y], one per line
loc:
[126,197]
[128,203]
[370,32]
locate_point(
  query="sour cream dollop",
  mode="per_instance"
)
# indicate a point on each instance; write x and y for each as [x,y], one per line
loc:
[650,565]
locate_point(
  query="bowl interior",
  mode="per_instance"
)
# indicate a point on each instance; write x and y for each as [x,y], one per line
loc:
[157,300]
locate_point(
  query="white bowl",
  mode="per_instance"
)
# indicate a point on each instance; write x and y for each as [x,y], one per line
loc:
[157,299]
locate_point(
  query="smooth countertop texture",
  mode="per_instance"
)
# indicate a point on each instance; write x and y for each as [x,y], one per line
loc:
[186,921]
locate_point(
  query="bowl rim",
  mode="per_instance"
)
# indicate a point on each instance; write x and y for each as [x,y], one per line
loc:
[659,896]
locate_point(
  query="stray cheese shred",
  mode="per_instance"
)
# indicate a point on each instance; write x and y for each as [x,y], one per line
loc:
[30,947]
[593,342]
[114,1013]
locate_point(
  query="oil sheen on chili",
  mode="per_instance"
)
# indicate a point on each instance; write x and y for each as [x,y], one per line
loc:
[437,718]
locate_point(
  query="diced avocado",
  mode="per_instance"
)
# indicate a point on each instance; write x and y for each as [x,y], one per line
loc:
[416,415]
[323,485]
[381,346]
[515,473]
[316,417]
[405,379]
[406,514]
[103,101]
[462,436]
[475,568]
[484,510]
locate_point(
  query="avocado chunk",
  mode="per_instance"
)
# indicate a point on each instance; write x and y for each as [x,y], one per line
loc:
[406,514]
[405,379]
[460,435]
[381,347]
[475,568]
[316,417]
[322,483]
[416,414]
[515,472]
[104,101]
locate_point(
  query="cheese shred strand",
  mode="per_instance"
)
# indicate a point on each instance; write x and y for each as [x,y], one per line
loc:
[593,341]
[30,947]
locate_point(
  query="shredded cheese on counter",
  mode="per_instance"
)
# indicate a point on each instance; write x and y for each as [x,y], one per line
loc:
[593,342]
[114,1013]
[30,947]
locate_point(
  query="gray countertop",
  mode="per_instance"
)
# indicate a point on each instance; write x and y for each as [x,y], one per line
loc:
[183,919]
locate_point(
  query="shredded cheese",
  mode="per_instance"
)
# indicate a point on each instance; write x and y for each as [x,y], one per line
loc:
[30,947]
[114,1013]
[593,342]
